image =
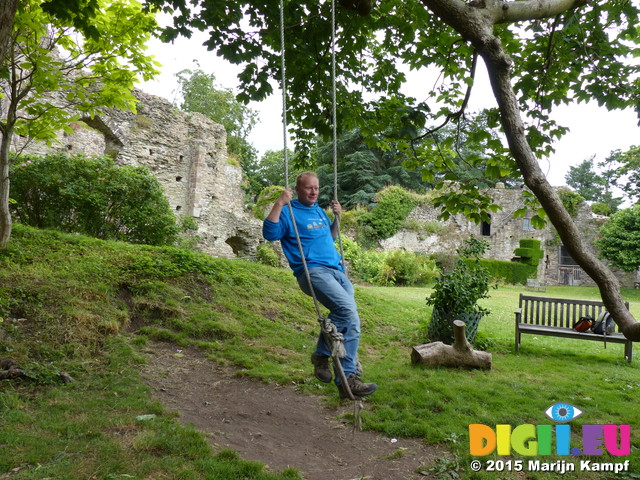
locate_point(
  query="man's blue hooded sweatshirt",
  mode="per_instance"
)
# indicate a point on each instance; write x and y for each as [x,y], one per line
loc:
[314,228]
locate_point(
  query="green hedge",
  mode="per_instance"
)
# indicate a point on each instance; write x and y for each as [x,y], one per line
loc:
[571,201]
[529,251]
[508,272]
[500,270]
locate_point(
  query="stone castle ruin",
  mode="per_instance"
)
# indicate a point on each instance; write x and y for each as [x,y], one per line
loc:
[186,152]
[504,234]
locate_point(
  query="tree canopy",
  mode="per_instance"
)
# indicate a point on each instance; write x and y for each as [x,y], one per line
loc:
[47,55]
[625,171]
[620,239]
[201,94]
[362,170]
[557,52]
[269,171]
[538,54]
[594,186]
[585,180]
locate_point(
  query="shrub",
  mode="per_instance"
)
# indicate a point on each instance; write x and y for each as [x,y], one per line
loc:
[571,200]
[426,228]
[602,208]
[444,261]
[366,265]
[397,267]
[188,237]
[619,240]
[352,249]
[457,291]
[267,255]
[499,270]
[386,218]
[408,268]
[93,196]
[350,219]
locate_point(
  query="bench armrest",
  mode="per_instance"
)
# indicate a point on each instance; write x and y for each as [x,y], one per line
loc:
[518,314]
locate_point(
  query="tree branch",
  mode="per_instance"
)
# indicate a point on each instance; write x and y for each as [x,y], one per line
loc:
[517,11]
[465,102]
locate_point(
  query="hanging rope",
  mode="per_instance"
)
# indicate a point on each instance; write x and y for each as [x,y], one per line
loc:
[283,82]
[332,337]
[334,117]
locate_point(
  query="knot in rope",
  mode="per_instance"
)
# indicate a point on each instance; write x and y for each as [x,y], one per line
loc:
[337,340]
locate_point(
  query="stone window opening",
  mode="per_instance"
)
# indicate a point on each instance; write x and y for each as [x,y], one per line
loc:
[178,179]
[485,228]
[565,257]
[526,224]
[178,207]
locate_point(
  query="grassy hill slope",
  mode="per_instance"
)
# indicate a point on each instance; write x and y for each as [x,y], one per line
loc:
[86,307]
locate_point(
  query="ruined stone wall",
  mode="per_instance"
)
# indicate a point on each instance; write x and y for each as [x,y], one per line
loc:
[504,234]
[186,152]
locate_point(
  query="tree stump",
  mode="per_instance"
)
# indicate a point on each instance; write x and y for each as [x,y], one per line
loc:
[460,354]
[9,369]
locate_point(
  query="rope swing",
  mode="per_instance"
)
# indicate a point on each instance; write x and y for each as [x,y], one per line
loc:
[333,338]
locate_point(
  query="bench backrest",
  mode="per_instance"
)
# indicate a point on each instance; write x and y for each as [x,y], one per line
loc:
[557,312]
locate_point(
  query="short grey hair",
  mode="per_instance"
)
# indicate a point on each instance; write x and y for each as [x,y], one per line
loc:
[304,175]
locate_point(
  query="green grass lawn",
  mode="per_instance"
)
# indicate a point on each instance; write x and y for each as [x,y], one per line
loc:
[65,302]
[439,404]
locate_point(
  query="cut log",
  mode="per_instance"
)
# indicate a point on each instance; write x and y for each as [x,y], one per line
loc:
[460,354]
[11,373]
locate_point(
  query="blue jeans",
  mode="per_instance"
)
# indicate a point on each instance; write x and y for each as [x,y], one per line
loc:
[334,290]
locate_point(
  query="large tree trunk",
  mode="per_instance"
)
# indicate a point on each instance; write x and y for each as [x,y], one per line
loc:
[7,13]
[476,24]
[5,215]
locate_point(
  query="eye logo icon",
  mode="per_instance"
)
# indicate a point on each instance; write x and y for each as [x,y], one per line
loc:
[562,412]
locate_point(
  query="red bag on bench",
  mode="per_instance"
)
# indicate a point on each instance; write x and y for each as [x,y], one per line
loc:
[584,324]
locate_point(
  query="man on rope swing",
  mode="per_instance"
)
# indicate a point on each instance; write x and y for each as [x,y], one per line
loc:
[330,284]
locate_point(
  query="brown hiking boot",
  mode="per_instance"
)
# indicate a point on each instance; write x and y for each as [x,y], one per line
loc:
[358,388]
[321,367]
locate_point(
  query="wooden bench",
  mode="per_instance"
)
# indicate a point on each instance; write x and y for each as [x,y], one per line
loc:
[534,284]
[555,317]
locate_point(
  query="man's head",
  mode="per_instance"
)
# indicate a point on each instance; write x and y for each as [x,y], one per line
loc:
[307,188]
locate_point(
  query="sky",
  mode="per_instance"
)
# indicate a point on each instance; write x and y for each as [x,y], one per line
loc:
[593,130]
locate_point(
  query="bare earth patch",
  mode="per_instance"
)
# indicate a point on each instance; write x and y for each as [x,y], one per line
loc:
[276,425]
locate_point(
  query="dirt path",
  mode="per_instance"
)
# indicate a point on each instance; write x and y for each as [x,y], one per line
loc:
[276,425]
